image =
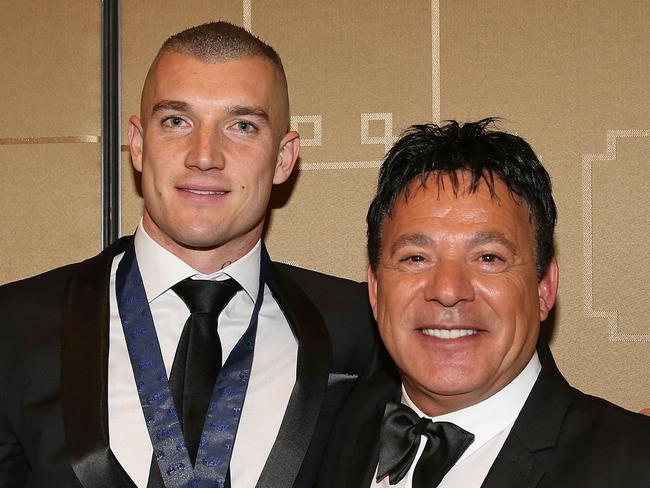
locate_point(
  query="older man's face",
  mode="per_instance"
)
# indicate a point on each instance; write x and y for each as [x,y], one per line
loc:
[456,295]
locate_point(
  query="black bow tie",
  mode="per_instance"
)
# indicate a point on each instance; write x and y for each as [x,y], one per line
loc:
[399,441]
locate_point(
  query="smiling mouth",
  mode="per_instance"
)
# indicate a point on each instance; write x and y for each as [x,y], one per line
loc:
[449,333]
[203,192]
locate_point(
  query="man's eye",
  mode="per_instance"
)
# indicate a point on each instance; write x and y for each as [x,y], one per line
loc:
[490,258]
[174,121]
[414,258]
[492,262]
[244,126]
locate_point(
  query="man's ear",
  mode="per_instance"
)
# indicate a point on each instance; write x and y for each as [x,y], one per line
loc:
[287,157]
[372,290]
[547,290]
[136,136]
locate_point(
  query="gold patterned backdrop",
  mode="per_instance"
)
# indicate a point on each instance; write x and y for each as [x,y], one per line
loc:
[571,77]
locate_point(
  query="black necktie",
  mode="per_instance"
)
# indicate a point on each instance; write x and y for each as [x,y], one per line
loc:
[198,356]
[399,440]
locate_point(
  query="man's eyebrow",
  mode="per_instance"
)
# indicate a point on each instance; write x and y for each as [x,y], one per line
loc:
[487,237]
[415,239]
[238,110]
[175,105]
[247,110]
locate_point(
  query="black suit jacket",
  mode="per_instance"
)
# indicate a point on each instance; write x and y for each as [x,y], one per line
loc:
[54,371]
[562,438]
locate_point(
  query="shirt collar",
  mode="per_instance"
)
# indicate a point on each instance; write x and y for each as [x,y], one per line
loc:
[488,418]
[160,269]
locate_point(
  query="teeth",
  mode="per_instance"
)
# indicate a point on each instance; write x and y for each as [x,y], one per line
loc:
[449,333]
[205,192]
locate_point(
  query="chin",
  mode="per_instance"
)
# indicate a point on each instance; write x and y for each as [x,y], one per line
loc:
[201,242]
[445,382]
[199,233]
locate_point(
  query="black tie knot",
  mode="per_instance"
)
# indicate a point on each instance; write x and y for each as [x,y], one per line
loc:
[399,439]
[420,427]
[206,296]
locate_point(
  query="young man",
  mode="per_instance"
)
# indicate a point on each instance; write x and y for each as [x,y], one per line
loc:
[86,350]
[462,273]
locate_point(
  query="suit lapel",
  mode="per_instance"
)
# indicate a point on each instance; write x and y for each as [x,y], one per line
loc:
[357,436]
[84,373]
[365,455]
[537,428]
[314,358]
[514,467]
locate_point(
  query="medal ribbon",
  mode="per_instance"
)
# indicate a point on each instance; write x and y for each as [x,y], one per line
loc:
[222,418]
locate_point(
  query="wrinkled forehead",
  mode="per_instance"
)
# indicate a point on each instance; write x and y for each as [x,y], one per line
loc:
[462,184]
[437,212]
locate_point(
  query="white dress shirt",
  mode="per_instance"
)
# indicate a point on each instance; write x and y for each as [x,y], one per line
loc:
[490,421]
[273,372]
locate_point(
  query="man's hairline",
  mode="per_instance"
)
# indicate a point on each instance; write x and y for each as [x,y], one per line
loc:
[221,60]
[404,193]
[216,59]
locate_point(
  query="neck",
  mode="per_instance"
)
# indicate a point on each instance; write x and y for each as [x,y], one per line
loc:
[434,405]
[206,260]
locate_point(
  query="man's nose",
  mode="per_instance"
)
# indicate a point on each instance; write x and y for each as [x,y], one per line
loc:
[449,283]
[206,151]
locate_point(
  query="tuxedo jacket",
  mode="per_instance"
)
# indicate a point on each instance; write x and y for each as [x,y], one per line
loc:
[54,371]
[562,438]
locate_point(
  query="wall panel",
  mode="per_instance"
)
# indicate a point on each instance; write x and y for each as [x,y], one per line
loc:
[49,135]
[571,77]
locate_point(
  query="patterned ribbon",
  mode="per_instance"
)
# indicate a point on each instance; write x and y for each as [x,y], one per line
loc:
[222,418]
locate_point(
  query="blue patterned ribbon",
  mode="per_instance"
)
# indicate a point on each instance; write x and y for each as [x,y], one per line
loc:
[224,410]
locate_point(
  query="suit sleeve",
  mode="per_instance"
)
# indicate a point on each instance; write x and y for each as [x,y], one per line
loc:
[14,465]
[13,461]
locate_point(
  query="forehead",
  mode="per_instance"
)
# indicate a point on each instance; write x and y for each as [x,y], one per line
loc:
[436,207]
[249,80]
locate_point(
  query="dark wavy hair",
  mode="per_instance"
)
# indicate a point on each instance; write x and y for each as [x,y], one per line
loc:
[478,149]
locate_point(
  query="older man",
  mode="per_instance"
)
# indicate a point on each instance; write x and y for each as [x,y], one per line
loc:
[259,355]
[462,272]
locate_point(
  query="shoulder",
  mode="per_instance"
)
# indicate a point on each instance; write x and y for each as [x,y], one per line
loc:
[51,284]
[586,420]
[312,281]
[344,307]
[333,296]
[32,310]
[36,289]
[609,422]
[596,433]
[32,306]
[30,326]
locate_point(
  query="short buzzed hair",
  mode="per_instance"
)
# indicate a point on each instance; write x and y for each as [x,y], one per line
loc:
[215,42]
[221,42]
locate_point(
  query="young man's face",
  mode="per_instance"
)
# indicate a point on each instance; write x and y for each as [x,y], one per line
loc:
[456,295]
[211,142]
